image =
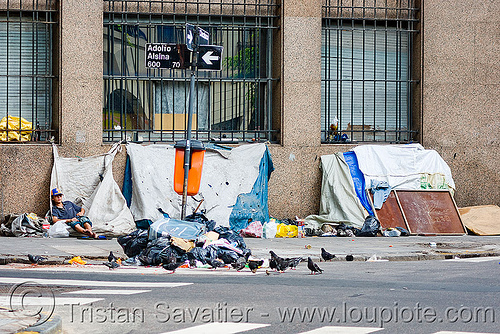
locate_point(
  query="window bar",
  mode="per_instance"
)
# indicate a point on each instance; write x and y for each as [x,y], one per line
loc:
[352,68]
[386,50]
[363,71]
[20,78]
[374,62]
[269,84]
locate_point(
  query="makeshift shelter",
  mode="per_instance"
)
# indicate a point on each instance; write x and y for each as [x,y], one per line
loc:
[233,184]
[89,182]
[339,202]
[347,178]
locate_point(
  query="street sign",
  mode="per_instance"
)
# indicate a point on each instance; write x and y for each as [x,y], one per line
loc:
[204,37]
[210,57]
[166,55]
[189,36]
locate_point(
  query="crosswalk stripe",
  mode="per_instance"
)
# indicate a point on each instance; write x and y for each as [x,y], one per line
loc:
[105,292]
[44,281]
[343,330]
[6,300]
[217,328]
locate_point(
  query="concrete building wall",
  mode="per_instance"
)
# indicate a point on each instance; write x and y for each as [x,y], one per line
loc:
[459,109]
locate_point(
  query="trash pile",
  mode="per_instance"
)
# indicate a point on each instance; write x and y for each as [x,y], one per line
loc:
[24,225]
[196,240]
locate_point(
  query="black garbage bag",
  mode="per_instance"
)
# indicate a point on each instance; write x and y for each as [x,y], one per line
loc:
[227,255]
[203,255]
[370,228]
[134,242]
[200,218]
[155,251]
[231,236]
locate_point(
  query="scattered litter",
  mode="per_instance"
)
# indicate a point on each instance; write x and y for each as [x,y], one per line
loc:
[307,246]
[349,257]
[374,258]
[77,260]
[432,244]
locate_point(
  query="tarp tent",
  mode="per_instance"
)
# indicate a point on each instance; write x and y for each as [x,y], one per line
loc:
[233,184]
[347,176]
[89,182]
[339,202]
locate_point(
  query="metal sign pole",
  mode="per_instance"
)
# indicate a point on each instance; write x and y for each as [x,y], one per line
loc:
[187,151]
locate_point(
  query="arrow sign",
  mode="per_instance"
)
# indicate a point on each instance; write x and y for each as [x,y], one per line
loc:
[207,57]
[210,57]
[189,36]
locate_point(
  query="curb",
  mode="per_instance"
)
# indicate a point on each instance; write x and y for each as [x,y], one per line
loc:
[51,326]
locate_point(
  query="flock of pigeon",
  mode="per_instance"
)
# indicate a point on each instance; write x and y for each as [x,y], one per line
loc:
[276,262]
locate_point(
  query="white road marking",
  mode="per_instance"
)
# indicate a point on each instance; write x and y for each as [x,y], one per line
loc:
[343,330]
[217,328]
[476,259]
[6,300]
[67,282]
[105,292]
[130,270]
[448,332]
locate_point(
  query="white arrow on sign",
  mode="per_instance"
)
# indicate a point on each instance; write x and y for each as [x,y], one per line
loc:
[207,57]
[190,37]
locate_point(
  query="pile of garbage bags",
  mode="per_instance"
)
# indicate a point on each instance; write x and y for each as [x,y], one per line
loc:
[194,239]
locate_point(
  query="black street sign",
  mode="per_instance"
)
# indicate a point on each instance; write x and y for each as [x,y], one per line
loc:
[190,36]
[166,55]
[210,57]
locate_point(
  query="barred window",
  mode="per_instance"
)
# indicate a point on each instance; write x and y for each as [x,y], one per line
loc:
[26,69]
[366,71]
[232,105]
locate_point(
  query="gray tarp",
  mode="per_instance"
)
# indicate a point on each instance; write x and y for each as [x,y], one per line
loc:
[339,203]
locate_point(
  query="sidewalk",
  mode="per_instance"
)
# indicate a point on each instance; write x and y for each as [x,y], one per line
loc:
[60,250]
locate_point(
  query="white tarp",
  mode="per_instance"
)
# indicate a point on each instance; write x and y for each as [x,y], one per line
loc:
[224,177]
[89,182]
[402,166]
[339,202]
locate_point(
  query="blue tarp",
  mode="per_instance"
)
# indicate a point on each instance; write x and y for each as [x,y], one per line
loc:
[253,206]
[358,179]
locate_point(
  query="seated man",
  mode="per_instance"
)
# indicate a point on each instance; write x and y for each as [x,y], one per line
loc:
[70,213]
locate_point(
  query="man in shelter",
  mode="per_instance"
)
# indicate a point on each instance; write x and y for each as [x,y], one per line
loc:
[70,213]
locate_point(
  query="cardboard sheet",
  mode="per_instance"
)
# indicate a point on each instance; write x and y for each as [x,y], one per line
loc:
[482,220]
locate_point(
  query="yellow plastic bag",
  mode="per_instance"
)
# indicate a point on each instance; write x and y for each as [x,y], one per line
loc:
[15,123]
[77,260]
[286,231]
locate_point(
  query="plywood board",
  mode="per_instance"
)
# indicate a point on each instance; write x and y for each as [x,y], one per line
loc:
[390,215]
[430,212]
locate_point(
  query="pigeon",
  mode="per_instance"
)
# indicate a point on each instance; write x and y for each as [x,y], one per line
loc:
[216,263]
[325,255]
[112,257]
[111,265]
[171,266]
[36,259]
[294,262]
[313,267]
[240,263]
[280,263]
[272,264]
[255,264]
[192,263]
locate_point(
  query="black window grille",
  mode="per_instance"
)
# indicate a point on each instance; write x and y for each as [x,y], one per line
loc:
[26,69]
[232,105]
[366,61]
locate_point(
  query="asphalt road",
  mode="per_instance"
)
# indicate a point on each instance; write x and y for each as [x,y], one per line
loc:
[354,297]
